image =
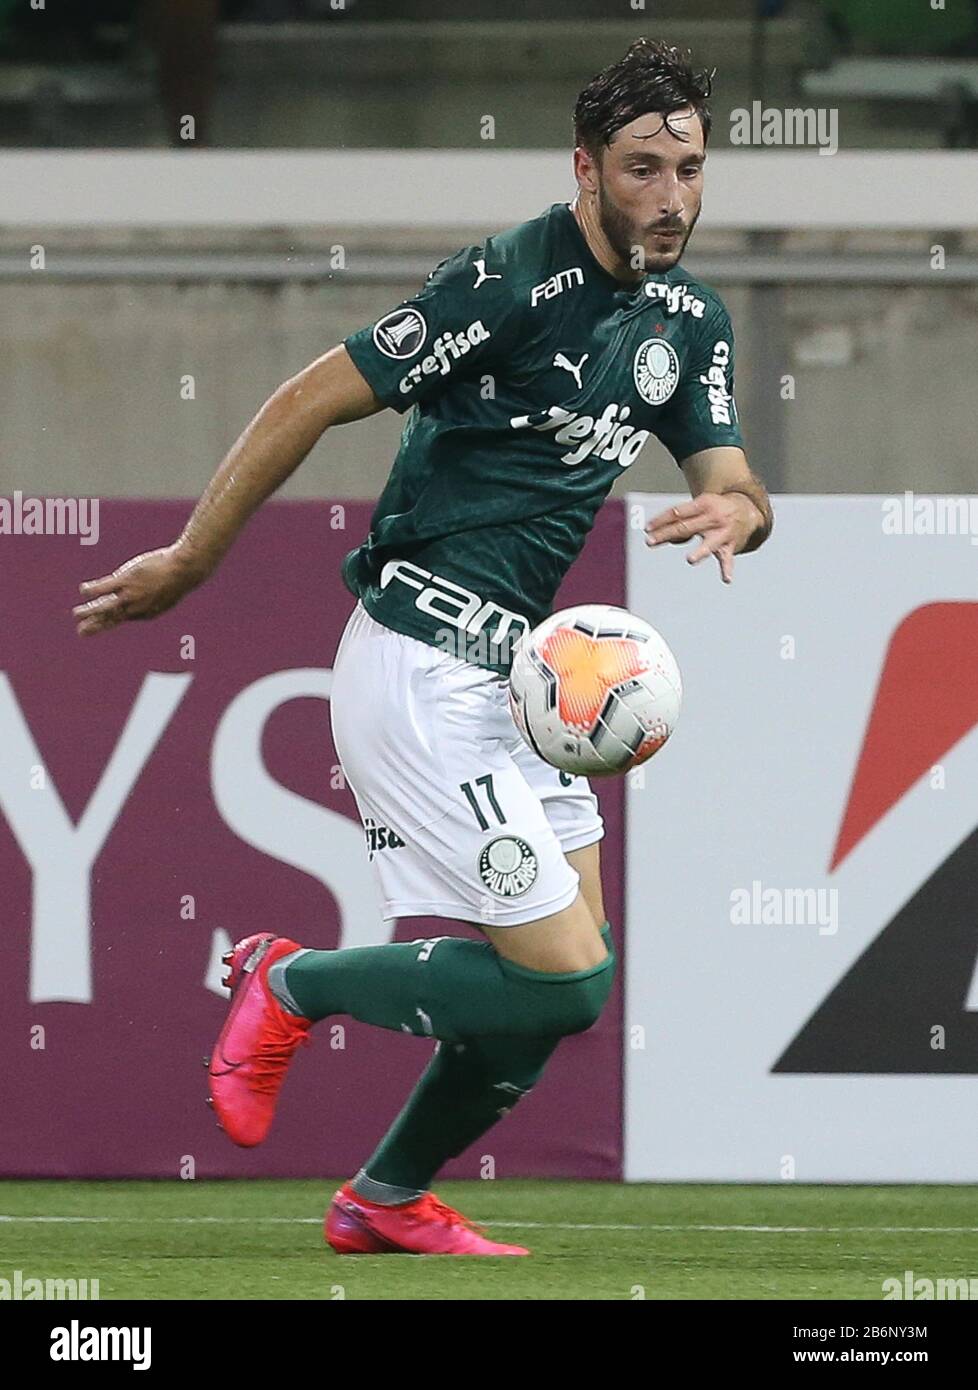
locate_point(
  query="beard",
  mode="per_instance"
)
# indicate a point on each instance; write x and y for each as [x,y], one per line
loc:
[625,235]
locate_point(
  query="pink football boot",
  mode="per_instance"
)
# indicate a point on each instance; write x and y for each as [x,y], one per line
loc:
[425,1226]
[256,1044]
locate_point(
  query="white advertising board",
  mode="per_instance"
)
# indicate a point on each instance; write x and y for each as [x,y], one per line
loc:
[802,859]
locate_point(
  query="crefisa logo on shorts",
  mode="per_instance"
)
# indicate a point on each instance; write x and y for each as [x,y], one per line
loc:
[656,370]
[380,837]
[508,866]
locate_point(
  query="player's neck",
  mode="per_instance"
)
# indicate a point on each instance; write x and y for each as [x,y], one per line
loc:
[586,215]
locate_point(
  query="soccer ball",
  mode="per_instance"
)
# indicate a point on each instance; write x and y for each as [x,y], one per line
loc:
[594,690]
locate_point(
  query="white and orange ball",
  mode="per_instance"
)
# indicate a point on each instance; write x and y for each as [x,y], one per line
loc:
[595,690]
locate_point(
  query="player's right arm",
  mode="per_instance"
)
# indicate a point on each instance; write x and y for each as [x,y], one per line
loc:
[330,391]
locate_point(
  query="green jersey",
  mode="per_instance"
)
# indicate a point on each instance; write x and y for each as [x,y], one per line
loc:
[533,378]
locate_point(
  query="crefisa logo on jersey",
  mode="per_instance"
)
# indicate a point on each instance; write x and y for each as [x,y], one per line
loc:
[604,437]
[676,298]
[656,370]
[400,334]
[722,408]
[447,349]
[508,866]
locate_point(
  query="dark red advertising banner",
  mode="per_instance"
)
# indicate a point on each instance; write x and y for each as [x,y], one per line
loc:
[171,786]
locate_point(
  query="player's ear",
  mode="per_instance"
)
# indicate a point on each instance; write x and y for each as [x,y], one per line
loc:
[586,169]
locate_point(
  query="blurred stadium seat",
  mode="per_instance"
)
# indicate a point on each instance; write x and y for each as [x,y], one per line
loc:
[407,73]
[400,73]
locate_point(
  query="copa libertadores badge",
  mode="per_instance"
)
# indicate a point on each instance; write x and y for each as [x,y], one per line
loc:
[656,370]
[401,333]
[508,866]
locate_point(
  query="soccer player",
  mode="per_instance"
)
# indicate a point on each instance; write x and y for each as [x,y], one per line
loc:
[534,368]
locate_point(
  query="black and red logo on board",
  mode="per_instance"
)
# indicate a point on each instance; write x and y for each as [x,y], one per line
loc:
[914,976]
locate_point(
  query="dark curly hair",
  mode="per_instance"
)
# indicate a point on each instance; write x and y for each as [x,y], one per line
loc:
[651,76]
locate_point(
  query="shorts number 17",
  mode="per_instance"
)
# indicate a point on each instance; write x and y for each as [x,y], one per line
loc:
[468,788]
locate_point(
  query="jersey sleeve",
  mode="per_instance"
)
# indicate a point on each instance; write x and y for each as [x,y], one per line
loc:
[702,413]
[460,325]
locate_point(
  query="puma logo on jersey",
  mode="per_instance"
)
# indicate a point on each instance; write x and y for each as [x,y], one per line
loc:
[561,361]
[606,437]
[482,275]
[563,280]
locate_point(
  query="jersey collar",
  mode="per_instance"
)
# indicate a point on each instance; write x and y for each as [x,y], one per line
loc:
[605,276]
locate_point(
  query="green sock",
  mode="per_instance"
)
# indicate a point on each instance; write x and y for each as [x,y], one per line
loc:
[465,1089]
[444,987]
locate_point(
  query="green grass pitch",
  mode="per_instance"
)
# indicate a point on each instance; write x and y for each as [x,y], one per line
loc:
[263,1240]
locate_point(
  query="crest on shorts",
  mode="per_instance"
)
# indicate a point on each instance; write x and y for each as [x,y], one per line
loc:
[508,867]
[656,370]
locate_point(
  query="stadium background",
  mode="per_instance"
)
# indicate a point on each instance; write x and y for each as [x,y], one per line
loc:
[851,283]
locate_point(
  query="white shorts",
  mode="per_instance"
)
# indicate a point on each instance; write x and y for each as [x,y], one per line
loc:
[462,819]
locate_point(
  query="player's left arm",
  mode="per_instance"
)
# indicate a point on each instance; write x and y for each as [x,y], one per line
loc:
[730,511]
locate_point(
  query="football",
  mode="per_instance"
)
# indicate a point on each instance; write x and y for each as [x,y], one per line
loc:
[595,690]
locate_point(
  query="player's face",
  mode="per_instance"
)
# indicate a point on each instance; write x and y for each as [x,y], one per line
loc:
[650,186]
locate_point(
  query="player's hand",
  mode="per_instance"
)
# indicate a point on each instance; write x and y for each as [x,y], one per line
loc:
[724,522]
[141,588]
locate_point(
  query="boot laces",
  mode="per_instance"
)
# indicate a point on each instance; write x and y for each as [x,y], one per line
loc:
[272,1056]
[452,1218]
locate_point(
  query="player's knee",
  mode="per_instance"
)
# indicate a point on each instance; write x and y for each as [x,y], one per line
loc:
[567,1003]
[591,995]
